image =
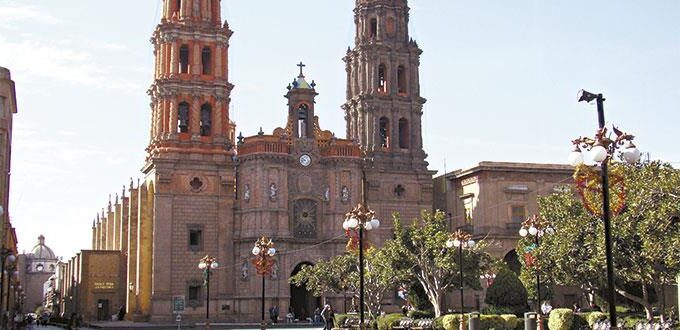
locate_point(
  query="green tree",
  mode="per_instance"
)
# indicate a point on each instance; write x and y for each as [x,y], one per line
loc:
[507,291]
[645,235]
[420,249]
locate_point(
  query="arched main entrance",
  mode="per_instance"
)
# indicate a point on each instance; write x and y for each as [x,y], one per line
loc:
[302,302]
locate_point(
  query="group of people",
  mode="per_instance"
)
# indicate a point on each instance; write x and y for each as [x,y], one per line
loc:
[324,315]
[546,308]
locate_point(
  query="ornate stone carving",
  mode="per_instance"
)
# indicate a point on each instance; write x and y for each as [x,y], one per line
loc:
[246,193]
[304,218]
[344,194]
[273,192]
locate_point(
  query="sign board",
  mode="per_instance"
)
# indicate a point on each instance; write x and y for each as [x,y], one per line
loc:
[104,285]
[178,304]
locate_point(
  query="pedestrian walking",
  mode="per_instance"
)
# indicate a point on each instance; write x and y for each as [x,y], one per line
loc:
[327,314]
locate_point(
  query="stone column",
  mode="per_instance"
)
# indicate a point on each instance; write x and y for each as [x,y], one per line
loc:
[145,249]
[172,123]
[110,229]
[195,115]
[118,216]
[196,67]
[133,209]
[218,128]
[218,60]
[174,57]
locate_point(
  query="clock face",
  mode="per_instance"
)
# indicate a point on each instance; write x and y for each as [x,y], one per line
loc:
[305,160]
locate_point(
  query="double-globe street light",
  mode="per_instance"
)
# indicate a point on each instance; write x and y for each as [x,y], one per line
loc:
[460,239]
[536,226]
[207,264]
[602,149]
[7,264]
[264,252]
[360,218]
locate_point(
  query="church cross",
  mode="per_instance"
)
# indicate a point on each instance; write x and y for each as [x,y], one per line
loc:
[301,66]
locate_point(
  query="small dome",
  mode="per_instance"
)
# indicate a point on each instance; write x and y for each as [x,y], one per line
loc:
[41,251]
[301,83]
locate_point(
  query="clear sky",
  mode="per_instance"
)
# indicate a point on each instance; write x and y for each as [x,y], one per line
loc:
[501,79]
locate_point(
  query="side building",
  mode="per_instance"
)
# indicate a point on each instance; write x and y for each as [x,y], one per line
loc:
[36,268]
[8,237]
[490,201]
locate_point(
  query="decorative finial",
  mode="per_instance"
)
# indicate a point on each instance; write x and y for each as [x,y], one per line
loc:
[261,132]
[117,198]
[103,217]
[132,184]
[93,223]
[123,195]
[349,50]
[240,138]
[289,87]
[313,84]
[301,65]
[109,203]
[97,217]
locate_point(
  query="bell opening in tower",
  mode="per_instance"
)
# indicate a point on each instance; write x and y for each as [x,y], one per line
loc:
[382,80]
[384,132]
[302,121]
[184,59]
[374,28]
[206,59]
[206,113]
[401,80]
[183,118]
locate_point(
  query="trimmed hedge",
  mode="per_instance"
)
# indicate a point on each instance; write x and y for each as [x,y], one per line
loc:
[561,319]
[580,321]
[451,321]
[491,322]
[593,317]
[387,321]
[339,319]
[438,323]
[510,320]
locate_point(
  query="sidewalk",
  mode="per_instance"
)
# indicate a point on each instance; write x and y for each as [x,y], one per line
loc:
[127,325]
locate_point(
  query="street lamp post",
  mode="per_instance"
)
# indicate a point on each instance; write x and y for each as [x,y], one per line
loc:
[460,240]
[603,148]
[537,227]
[360,218]
[6,257]
[264,252]
[207,264]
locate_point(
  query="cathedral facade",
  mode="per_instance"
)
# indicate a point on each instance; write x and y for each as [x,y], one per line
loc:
[206,192]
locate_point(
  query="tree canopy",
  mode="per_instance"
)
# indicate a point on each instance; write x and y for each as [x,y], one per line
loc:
[645,236]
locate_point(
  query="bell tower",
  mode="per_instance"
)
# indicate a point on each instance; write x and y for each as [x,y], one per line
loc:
[384,108]
[190,94]
[186,200]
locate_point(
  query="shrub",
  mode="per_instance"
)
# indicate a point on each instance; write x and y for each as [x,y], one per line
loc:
[386,322]
[507,291]
[594,317]
[451,321]
[510,321]
[437,323]
[491,322]
[497,310]
[339,319]
[580,321]
[561,319]
[421,314]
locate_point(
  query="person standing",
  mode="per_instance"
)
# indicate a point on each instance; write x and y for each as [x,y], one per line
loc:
[274,313]
[327,315]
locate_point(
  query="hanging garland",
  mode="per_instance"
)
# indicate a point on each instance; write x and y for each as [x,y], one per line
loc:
[589,186]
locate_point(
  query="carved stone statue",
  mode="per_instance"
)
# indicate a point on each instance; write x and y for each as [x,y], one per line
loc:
[327,194]
[273,191]
[244,270]
[344,196]
[246,193]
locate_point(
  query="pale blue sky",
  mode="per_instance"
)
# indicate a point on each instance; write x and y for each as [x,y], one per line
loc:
[500,77]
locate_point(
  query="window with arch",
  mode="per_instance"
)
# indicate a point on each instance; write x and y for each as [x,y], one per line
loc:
[401,79]
[178,6]
[403,133]
[206,114]
[206,60]
[382,79]
[384,125]
[302,120]
[184,59]
[183,118]
[373,32]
